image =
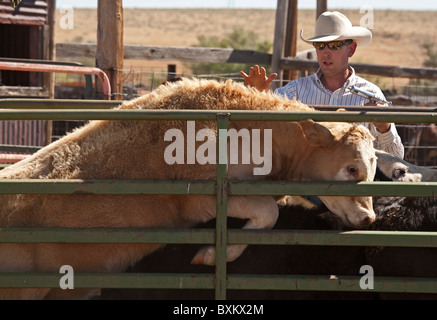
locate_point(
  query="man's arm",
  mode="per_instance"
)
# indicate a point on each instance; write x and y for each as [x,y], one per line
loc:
[381,127]
[389,141]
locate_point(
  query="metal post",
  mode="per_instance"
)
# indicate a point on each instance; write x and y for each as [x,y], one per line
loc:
[222,202]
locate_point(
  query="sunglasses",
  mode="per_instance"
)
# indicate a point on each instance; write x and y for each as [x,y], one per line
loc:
[334,45]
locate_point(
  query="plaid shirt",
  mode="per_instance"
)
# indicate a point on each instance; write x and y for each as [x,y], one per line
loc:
[310,90]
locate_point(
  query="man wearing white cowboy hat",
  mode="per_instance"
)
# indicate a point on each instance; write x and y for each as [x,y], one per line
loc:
[335,41]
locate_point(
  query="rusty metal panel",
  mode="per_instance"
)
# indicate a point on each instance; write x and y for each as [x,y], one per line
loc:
[29,12]
[27,133]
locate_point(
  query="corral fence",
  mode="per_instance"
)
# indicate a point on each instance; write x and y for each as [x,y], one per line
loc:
[220,281]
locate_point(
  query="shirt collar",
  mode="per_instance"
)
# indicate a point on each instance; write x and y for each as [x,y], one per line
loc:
[350,80]
[318,76]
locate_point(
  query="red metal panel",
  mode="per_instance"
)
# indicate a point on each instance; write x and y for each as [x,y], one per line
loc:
[27,13]
[24,133]
[21,66]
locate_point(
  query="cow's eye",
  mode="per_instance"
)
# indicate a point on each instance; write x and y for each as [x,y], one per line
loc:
[352,171]
[399,173]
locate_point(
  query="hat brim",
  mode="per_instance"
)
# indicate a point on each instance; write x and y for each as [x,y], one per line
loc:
[360,35]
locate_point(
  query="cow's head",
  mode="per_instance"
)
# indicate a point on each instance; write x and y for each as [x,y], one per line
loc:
[342,152]
[397,169]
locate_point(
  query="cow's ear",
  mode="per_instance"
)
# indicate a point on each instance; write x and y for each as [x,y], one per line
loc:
[316,134]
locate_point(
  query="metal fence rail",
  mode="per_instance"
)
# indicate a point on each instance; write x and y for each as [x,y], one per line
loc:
[322,116]
[220,281]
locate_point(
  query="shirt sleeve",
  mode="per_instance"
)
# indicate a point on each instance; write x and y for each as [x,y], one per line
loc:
[289,90]
[389,141]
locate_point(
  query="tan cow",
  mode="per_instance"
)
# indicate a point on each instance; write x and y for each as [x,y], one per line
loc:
[147,149]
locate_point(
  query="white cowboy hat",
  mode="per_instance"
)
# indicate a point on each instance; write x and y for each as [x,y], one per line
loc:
[335,26]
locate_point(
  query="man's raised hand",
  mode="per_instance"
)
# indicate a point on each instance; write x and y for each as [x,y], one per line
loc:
[257,78]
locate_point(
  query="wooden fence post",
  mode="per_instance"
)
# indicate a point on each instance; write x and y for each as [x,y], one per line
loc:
[322,6]
[278,42]
[50,54]
[109,55]
[290,48]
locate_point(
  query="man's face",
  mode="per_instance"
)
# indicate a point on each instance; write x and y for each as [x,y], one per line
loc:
[334,62]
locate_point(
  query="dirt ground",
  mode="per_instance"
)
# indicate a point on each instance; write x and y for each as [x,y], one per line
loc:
[397,35]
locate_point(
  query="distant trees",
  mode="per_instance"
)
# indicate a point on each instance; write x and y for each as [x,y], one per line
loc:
[431,61]
[238,39]
[424,87]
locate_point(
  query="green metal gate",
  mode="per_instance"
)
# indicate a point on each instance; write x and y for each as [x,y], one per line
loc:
[222,187]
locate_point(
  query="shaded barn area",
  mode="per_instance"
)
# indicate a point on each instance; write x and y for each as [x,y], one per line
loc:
[25,36]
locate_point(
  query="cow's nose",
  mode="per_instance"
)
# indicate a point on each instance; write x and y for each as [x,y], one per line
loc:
[367,221]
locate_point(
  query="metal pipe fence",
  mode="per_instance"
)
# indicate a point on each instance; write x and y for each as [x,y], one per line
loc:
[220,281]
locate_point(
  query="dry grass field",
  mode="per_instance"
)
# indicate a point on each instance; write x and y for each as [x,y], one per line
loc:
[398,36]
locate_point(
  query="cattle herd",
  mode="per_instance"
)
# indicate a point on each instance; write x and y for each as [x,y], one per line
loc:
[136,149]
[392,214]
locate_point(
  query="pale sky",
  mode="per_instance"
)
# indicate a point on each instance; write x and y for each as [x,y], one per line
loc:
[263,4]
